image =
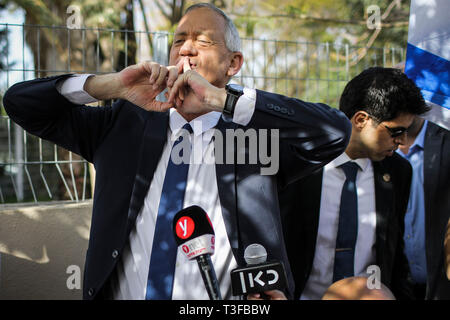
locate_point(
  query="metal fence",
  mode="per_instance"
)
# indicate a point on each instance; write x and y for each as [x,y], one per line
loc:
[33,170]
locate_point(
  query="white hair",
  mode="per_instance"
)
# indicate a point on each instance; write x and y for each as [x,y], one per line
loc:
[232,39]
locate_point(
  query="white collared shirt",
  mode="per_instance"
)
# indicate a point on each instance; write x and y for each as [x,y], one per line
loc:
[321,276]
[130,279]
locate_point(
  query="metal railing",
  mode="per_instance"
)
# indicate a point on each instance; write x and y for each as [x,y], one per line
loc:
[35,170]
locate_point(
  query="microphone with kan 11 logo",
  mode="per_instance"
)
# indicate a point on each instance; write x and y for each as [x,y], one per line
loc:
[194,234]
[258,276]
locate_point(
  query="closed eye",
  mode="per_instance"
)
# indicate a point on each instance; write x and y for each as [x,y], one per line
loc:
[204,43]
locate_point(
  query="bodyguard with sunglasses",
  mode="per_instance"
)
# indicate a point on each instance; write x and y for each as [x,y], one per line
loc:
[353,216]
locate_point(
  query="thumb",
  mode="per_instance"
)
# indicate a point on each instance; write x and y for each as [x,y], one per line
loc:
[186,65]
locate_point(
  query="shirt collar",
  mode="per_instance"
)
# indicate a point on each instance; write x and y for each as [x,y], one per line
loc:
[199,125]
[343,158]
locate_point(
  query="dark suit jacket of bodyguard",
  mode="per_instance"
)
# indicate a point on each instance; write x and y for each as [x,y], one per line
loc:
[300,209]
[437,208]
[125,143]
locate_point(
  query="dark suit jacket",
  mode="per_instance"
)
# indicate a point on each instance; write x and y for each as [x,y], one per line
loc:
[437,207]
[300,208]
[125,143]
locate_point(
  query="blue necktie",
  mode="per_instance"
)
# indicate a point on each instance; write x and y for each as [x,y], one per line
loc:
[164,250]
[348,225]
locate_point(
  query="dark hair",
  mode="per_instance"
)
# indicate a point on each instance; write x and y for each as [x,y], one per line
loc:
[383,93]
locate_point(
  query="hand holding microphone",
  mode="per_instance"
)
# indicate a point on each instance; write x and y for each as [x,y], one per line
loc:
[268,295]
[259,276]
[194,233]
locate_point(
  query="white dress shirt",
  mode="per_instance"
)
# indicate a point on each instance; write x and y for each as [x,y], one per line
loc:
[130,278]
[321,276]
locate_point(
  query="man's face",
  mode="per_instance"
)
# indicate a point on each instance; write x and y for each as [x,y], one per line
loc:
[377,137]
[200,37]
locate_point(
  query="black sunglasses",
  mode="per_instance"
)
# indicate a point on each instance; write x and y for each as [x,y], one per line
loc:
[397,131]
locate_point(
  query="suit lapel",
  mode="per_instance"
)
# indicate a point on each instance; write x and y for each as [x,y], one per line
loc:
[308,216]
[383,206]
[153,140]
[226,184]
[431,159]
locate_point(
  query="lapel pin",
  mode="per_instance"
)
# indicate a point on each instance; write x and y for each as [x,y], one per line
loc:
[386,177]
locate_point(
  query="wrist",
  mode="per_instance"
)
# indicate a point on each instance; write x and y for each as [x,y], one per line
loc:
[104,87]
[216,99]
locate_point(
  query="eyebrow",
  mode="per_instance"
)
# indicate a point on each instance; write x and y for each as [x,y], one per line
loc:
[197,33]
[180,33]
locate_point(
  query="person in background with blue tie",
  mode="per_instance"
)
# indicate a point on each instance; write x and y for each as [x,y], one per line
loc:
[427,148]
[351,223]
[139,187]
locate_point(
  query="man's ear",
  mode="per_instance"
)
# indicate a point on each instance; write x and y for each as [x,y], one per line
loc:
[237,59]
[360,119]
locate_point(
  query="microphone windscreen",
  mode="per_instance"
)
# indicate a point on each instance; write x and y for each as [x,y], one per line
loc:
[258,276]
[255,254]
[194,232]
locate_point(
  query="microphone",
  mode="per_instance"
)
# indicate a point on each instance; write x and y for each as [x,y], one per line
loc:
[258,276]
[194,234]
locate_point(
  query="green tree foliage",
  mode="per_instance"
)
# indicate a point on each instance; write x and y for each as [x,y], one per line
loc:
[59,49]
[321,20]
[320,44]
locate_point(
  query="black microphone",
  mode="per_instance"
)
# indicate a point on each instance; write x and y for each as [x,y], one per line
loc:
[194,233]
[258,276]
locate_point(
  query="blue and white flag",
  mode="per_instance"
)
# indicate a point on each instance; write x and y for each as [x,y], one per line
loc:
[428,53]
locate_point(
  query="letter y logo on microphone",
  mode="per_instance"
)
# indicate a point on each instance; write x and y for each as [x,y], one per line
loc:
[185,227]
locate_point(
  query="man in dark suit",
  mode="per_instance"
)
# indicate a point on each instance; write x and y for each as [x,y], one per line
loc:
[137,179]
[325,243]
[427,147]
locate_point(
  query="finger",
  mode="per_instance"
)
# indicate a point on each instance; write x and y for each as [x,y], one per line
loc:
[177,86]
[172,76]
[178,102]
[275,295]
[154,72]
[146,65]
[182,93]
[160,106]
[166,106]
[180,97]
[254,296]
[186,65]
[180,65]
[160,81]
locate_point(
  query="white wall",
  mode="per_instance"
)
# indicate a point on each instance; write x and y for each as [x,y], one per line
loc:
[37,245]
